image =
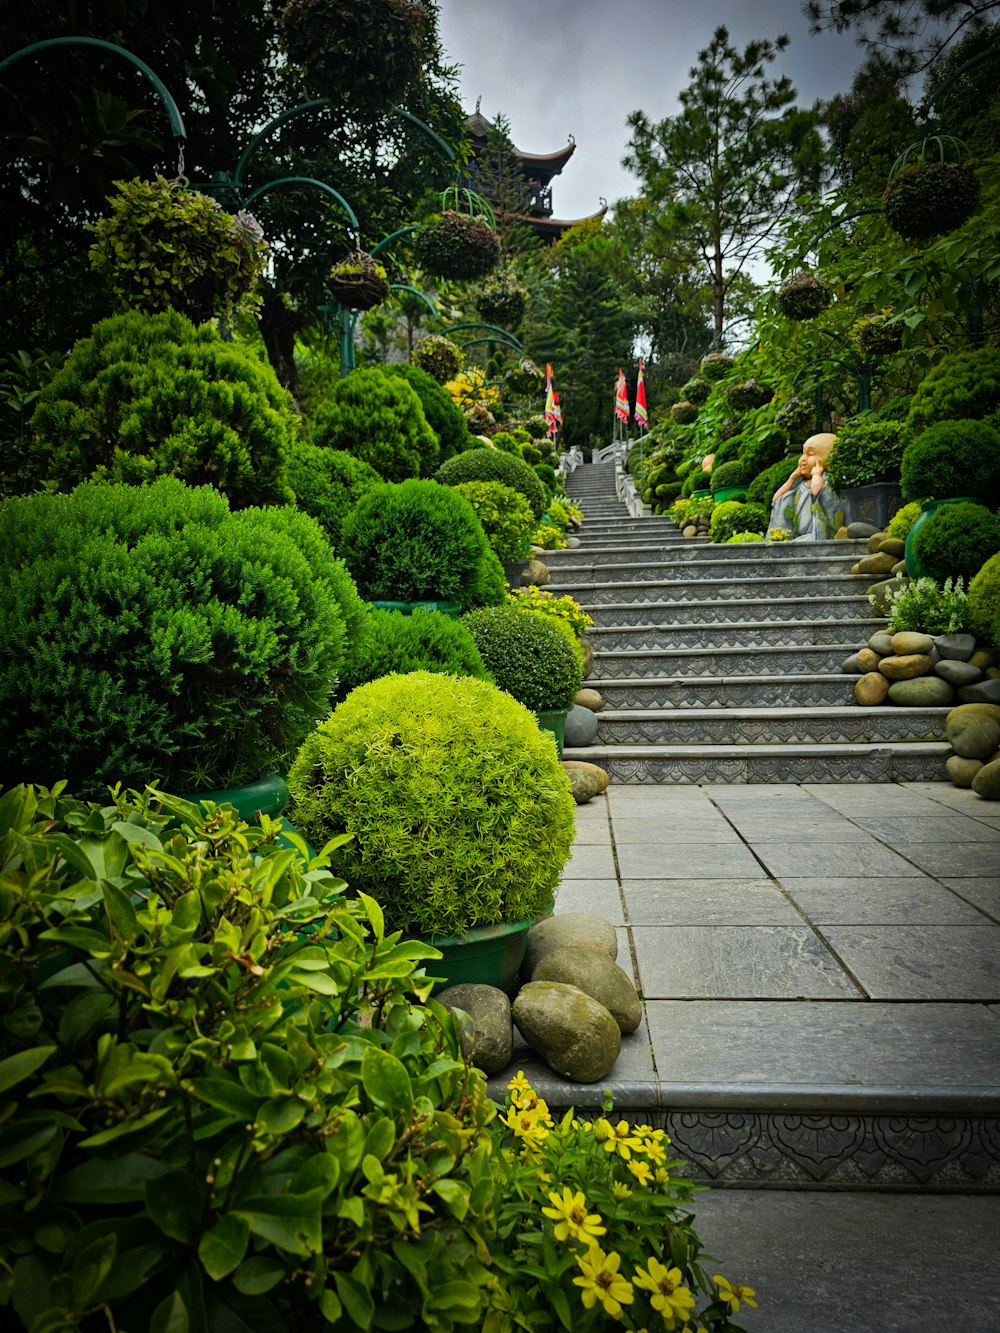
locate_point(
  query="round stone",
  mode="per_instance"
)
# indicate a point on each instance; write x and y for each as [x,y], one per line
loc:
[892,546]
[583,786]
[589,699]
[581,727]
[588,655]
[983,692]
[984,658]
[690,531]
[877,593]
[906,667]
[871,690]
[849,666]
[565,930]
[867,659]
[581,766]
[535,575]
[922,692]
[973,730]
[962,771]
[899,567]
[573,1033]
[957,673]
[986,783]
[875,564]
[907,642]
[492,1038]
[955,647]
[875,543]
[881,643]
[859,530]
[597,976]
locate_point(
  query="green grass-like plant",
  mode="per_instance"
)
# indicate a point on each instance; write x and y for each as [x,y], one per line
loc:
[956,541]
[391,642]
[495,465]
[379,419]
[953,458]
[148,632]
[328,483]
[420,541]
[527,656]
[460,811]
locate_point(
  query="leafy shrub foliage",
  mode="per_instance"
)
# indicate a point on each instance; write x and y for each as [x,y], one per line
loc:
[147,396]
[761,489]
[873,335]
[962,385]
[380,420]
[803,296]
[715,366]
[328,483]
[727,474]
[527,656]
[684,413]
[251,1117]
[956,541]
[505,515]
[439,357]
[732,517]
[758,451]
[746,395]
[420,541]
[459,808]
[903,520]
[148,631]
[456,246]
[953,458]
[546,474]
[164,247]
[494,465]
[928,198]
[696,390]
[444,416]
[502,301]
[564,608]
[984,600]
[926,607]
[865,452]
[796,415]
[424,641]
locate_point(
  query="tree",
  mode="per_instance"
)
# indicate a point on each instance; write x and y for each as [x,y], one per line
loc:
[903,36]
[499,177]
[729,167]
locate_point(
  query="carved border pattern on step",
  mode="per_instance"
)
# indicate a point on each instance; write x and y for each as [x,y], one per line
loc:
[638,594]
[713,663]
[860,728]
[737,1148]
[875,766]
[710,636]
[732,611]
[725,694]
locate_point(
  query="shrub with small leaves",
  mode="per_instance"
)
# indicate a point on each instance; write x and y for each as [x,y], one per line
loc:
[696,390]
[684,413]
[953,458]
[761,489]
[962,386]
[444,416]
[796,416]
[903,520]
[439,357]
[724,475]
[746,395]
[925,606]
[495,465]
[328,483]
[803,296]
[733,516]
[379,419]
[563,608]
[743,537]
[715,366]
[873,335]
[928,198]
[984,600]
[956,541]
[505,515]
[392,643]
[527,655]
[456,246]
[866,452]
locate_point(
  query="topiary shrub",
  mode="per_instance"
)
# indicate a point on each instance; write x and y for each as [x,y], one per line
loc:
[953,458]
[443,414]
[391,643]
[956,541]
[903,520]
[732,517]
[984,599]
[926,199]
[803,296]
[493,465]
[742,538]
[502,301]
[328,483]
[527,656]
[165,247]
[456,246]
[696,390]
[439,357]
[420,541]
[896,408]
[796,415]
[537,427]
[530,455]
[546,474]
[760,450]
[746,395]
[460,811]
[715,366]
[147,396]
[684,413]
[963,385]
[505,515]
[725,475]
[379,419]
[866,452]
[181,641]
[761,489]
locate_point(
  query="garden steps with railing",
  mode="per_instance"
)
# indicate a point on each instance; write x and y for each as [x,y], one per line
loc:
[723,662]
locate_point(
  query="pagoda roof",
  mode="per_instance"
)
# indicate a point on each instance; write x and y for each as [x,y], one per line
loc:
[551,229]
[552,163]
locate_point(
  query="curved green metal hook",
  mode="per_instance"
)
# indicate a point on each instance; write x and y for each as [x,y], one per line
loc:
[415,291]
[305,180]
[393,236]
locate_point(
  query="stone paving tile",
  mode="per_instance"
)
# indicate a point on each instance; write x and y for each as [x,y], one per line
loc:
[960,799]
[955,860]
[881,797]
[800,828]
[903,830]
[836,859]
[915,901]
[753,962]
[982,893]
[656,860]
[671,828]
[921,962]
[590,861]
[599,897]
[789,1043]
[592,829]
[707,902]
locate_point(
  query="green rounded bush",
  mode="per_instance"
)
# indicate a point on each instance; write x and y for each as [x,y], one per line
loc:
[684,413]
[727,474]
[926,199]
[494,465]
[445,418]
[146,396]
[742,538]
[696,391]
[456,246]
[903,520]
[715,366]
[182,642]
[733,516]
[527,656]
[761,489]
[963,385]
[867,451]
[984,599]
[420,541]
[328,483]
[953,458]
[760,450]
[391,643]
[505,515]
[380,420]
[458,805]
[546,474]
[956,541]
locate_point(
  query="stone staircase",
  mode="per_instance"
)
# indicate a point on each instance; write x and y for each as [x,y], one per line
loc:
[721,663]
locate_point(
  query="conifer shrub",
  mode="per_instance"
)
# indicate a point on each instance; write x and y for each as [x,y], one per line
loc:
[505,515]
[146,396]
[727,474]
[391,643]
[903,520]
[546,474]
[733,516]
[420,541]
[379,419]
[984,600]
[150,632]
[962,386]
[761,489]
[445,418]
[458,805]
[953,458]
[956,541]
[494,465]
[328,483]
[527,655]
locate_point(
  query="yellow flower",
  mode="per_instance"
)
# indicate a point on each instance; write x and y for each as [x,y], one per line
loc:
[669,1296]
[602,1282]
[571,1217]
[531,1126]
[654,1151]
[641,1171]
[519,1084]
[621,1140]
[603,1130]
[661,1175]
[620,1191]
[732,1293]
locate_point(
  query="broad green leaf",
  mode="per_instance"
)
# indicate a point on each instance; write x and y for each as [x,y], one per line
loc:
[385,1080]
[90,1268]
[258,1276]
[226,1096]
[23,1137]
[170,1316]
[186,916]
[319,982]
[353,1210]
[280,1115]
[107,855]
[290,1221]
[330,1306]
[74,854]
[451,1297]
[124,1127]
[381,1137]
[174,1203]
[79,937]
[115,1180]
[374,913]
[18,1067]
[134,834]
[121,913]
[84,1013]
[455,1195]
[319,1172]
[347,1142]
[222,1248]
[357,1299]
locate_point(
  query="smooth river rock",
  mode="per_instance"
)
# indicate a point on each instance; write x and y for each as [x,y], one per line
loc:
[573,1033]
[871,690]
[492,1024]
[874,564]
[907,641]
[881,643]
[955,647]
[962,771]
[905,667]
[597,976]
[986,783]
[859,530]
[867,659]
[567,930]
[973,730]
[922,692]
[535,575]
[587,698]
[580,766]
[957,673]
[983,692]
[583,786]
[892,546]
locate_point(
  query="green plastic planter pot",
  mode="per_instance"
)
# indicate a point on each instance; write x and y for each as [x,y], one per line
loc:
[483,956]
[930,508]
[729,493]
[554,720]
[407,608]
[267,796]
[700,494]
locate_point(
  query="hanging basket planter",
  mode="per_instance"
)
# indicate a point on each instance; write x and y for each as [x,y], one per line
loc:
[746,395]
[684,413]
[479,419]
[359,282]
[456,246]
[873,335]
[503,302]
[696,390]
[439,356]
[930,191]
[803,296]
[715,366]
[795,415]
[525,379]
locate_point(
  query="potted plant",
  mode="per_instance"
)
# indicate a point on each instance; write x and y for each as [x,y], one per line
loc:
[696,390]
[796,415]
[359,282]
[438,356]
[420,544]
[460,242]
[502,301]
[864,468]
[876,335]
[715,366]
[930,190]
[948,462]
[746,395]
[728,481]
[955,542]
[525,380]
[533,659]
[183,642]
[459,812]
[494,465]
[803,296]
[507,521]
[684,413]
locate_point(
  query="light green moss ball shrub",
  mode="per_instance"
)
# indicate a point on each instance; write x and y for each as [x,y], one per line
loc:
[903,520]
[460,811]
[505,515]
[741,538]
[379,419]
[494,465]
[951,459]
[732,516]
[149,633]
[390,642]
[984,600]
[328,483]
[147,396]
[528,656]
[962,385]
[419,541]
[957,541]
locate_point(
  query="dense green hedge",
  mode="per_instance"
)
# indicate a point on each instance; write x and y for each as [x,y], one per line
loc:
[761,489]
[424,641]
[445,418]
[984,601]
[963,385]
[379,419]
[953,458]
[956,541]
[867,451]
[328,483]
[528,656]
[494,465]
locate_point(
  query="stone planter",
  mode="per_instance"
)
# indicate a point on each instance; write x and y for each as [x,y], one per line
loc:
[873,504]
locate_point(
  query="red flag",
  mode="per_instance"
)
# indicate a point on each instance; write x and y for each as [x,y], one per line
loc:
[551,402]
[641,415]
[621,398]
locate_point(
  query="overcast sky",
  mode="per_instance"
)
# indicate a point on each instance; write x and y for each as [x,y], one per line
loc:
[557,68]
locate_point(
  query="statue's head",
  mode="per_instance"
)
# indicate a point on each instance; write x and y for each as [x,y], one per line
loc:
[817,448]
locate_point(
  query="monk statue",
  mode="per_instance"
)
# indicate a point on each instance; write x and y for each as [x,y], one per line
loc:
[805,507]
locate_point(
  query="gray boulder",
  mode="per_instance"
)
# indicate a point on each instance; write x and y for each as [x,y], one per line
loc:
[955,647]
[492,1036]
[956,672]
[568,930]
[983,692]
[986,783]
[962,771]
[973,730]
[921,692]
[574,1034]
[859,530]
[881,643]
[598,976]
[581,726]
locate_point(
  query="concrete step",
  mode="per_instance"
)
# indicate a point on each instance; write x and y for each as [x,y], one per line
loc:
[705,589]
[730,610]
[769,726]
[604,551]
[578,567]
[764,660]
[711,634]
[806,690]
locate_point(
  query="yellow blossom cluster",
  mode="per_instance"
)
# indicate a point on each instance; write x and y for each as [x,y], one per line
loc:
[528,1116]
[471,386]
[566,607]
